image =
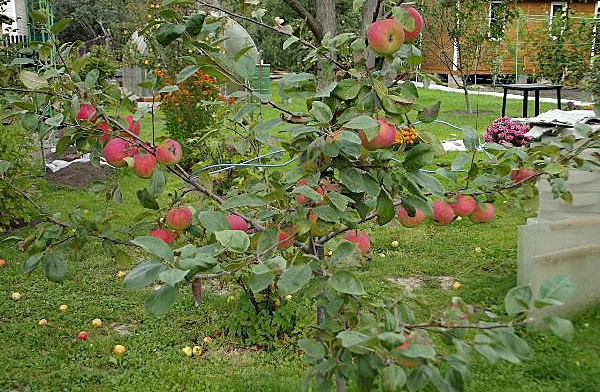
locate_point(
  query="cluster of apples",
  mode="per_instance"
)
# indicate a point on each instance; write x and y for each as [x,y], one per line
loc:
[386,36]
[123,150]
[445,212]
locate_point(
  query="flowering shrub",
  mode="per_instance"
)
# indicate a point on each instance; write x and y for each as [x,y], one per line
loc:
[505,131]
[187,113]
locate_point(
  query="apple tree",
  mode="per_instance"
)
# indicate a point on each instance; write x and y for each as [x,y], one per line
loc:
[353,156]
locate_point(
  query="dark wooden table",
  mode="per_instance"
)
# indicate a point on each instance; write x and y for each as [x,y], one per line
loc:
[526,88]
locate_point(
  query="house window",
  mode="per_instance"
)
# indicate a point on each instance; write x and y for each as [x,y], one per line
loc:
[497,20]
[558,14]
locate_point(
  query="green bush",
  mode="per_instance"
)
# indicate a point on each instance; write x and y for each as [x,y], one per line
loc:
[267,327]
[16,147]
[102,59]
[593,79]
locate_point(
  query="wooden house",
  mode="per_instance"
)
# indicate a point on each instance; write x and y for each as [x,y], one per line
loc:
[512,48]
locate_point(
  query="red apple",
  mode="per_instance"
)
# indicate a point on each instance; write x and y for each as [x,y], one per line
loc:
[360,238]
[179,218]
[116,150]
[86,113]
[410,221]
[164,235]
[143,165]
[168,152]
[483,213]
[443,213]
[411,35]
[521,175]
[82,336]
[286,237]
[132,126]
[385,36]
[106,132]
[464,205]
[384,138]
[2,263]
[237,223]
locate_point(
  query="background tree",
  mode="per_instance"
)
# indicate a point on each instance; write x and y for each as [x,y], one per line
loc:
[461,36]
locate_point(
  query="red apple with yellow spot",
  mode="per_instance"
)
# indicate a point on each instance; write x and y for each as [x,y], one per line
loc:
[464,205]
[484,212]
[237,222]
[116,150]
[143,165]
[386,136]
[286,237]
[86,113]
[443,214]
[385,36]
[360,238]
[411,35]
[169,152]
[164,235]
[410,221]
[179,218]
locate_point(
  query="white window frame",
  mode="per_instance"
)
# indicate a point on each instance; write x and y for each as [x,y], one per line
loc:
[490,37]
[565,9]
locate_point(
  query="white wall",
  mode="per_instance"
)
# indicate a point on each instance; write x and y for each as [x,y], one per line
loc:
[15,9]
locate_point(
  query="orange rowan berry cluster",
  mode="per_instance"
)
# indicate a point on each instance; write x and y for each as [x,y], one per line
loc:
[406,135]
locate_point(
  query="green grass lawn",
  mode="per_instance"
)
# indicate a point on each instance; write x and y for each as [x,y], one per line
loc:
[34,358]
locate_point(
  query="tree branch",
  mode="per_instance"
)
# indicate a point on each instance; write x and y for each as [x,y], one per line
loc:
[313,24]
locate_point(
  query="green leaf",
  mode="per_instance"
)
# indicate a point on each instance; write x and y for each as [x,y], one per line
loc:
[347,89]
[267,241]
[31,122]
[346,254]
[307,191]
[161,300]
[200,261]
[39,16]
[419,156]
[32,80]
[194,24]
[361,122]
[470,138]
[157,183]
[561,327]
[143,275]
[31,262]
[169,89]
[430,113]
[339,201]
[518,300]
[352,179]
[22,61]
[92,78]
[4,165]
[54,267]
[146,200]
[290,41]
[416,350]
[427,181]
[168,33]
[460,161]
[60,25]
[354,340]
[173,276]
[234,240]
[556,290]
[260,281]
[345,282]
[294,278]
[385,209]
[154,246]
[55,121]
[213,221]
[321,112]
[393,378]
[185,73]
[244,200]
[312,348]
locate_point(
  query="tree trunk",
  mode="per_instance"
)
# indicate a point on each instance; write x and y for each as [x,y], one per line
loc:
[467,97]
[326,16]
[370,13]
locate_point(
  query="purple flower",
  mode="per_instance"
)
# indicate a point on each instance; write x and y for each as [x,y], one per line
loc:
[505,131]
